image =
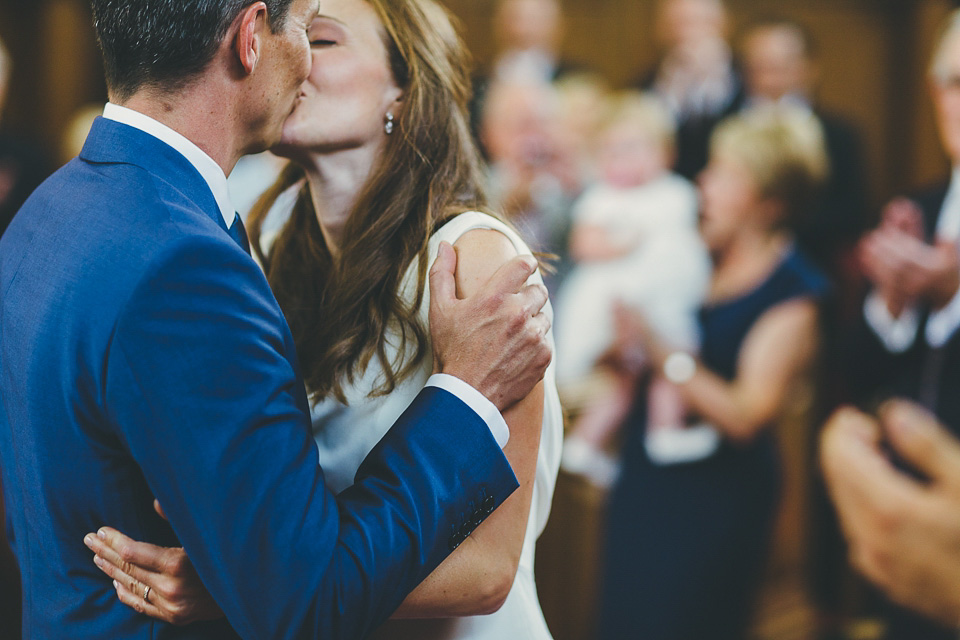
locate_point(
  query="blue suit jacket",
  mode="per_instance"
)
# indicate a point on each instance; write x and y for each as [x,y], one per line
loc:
[142,354]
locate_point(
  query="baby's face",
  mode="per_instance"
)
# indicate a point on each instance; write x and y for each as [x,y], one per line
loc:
[630,157]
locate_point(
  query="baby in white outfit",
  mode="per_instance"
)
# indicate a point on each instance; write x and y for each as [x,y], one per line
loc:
[636,243]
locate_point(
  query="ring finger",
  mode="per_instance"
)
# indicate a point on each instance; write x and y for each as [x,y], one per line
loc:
[135,600]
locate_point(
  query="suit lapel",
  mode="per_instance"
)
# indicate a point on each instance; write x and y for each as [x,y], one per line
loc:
[111,142]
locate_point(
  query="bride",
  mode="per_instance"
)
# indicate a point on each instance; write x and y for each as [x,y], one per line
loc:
[384,169]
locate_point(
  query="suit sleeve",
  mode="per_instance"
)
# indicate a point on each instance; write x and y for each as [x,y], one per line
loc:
[200,390]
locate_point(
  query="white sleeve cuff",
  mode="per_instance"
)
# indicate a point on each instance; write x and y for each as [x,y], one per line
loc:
[943,323]
[487,411]
[897,334]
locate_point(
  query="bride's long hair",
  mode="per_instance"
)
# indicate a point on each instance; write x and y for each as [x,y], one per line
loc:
[340,312]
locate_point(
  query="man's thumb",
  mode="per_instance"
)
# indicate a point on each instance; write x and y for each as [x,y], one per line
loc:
[443,284]
[921,441]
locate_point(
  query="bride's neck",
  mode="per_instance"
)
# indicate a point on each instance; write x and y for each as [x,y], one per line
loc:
[335,181]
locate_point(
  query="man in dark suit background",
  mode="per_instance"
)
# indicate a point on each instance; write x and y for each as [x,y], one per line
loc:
[908,345]
[142,355]
[779,68]
[529,35]
[696,76]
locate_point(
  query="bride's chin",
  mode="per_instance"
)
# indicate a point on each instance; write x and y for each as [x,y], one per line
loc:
[288,145]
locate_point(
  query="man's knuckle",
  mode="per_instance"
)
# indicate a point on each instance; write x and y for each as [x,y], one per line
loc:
[175,564]
[125,551]
[178,615]
[546,357]
[170,589]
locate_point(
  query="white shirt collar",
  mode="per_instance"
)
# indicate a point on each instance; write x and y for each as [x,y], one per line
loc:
[791,100]
[209,170]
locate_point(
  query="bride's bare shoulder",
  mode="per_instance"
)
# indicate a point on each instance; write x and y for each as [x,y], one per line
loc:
[480,252]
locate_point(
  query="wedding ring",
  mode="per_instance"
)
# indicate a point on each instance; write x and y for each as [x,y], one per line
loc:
[146,594]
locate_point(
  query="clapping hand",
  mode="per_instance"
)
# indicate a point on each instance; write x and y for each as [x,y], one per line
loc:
[904,534]
[903,267]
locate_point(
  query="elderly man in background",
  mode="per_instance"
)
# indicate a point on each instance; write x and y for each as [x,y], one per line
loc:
[533,176]
[896,482]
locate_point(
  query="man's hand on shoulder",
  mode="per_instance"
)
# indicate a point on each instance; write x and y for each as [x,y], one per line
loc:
[496,339]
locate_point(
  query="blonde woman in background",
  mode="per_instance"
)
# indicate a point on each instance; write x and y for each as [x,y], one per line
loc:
[686,541]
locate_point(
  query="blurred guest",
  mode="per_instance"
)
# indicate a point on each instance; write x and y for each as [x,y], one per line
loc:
[528,34]
[634,240]
[687,538]
[908,344]
[533,178]
[779,68]
[696,75]
[779,63]
[22,164]
[583,106]
[902,531]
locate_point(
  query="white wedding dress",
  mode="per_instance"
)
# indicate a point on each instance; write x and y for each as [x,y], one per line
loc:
[345,435]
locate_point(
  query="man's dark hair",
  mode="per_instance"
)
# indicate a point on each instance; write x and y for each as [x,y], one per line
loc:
[165,43]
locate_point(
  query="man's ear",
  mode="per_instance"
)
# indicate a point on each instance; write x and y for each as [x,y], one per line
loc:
[248,42]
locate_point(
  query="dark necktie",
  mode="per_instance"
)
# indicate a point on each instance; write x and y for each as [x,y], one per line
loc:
[239,233]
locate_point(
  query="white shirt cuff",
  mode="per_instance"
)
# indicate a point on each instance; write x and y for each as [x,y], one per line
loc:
[487,411]
[897,334]
[943,323]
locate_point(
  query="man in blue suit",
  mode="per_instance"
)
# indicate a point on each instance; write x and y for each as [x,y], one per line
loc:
[142,354]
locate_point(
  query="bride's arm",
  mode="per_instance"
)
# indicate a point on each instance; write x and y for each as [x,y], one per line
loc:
[476,578]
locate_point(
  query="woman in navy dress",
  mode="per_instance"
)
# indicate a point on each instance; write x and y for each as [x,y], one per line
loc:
[689,526]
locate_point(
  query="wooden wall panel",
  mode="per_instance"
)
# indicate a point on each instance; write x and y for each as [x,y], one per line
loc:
[923,160]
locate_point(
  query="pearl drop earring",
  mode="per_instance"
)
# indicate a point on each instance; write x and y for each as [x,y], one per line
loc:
[388,127]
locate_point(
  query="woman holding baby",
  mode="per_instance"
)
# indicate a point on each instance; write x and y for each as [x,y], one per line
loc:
[692,511]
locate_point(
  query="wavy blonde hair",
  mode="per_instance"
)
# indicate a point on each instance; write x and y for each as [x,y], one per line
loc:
[784,150]
[430,170]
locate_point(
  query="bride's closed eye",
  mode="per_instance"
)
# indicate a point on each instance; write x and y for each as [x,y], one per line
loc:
[325,33]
